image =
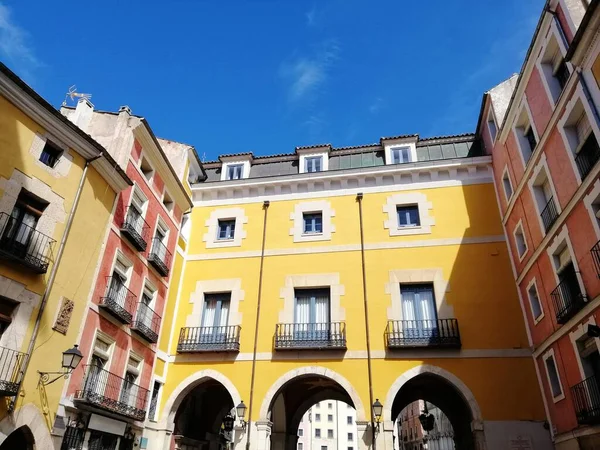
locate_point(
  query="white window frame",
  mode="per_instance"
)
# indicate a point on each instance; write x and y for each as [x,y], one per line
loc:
[491,119]
[161,382]
[297,218]
[576,335]
[410,142]
[552,34]
[144,158]
[541,173]
[407,199]
[518,227]
[160,223]
[120,257]
[212,223]
[137,370]
[506,176]
[170,200]
[107,339]
[533,284]
[559,242]
[312,153]
[137,191]
[225,239]
[591,198]
[243,160]
[550,354]
[151,289]
[521,140]
[399,148]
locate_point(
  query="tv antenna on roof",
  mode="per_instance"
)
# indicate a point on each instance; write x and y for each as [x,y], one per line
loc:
[73,94]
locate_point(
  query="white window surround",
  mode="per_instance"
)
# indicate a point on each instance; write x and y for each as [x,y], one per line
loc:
[407,276]
[593,196]
[186,227]
[136,370]
[212,223]
[160,223]
[232,285]
[576,335]
[297,218]
[14,336]
[565,122]
[539,173]
[519,228]
[64,163]
[545,357]
[244,160]
[322,152]
[109,341]
[170,203]
[144,160]
[415,198]
[120,257]
[524,115]
[491,121]
[410,142]
[149,288]
[312,280]
[553,35]
[560,240]
[533,283]
[506,177]
[139,198]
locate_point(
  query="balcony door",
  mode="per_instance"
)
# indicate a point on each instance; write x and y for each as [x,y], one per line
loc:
[160,242]
[19,228]
[215,318]
[419,312]
[130,388]
[96,380]
[311,315]
[145,315]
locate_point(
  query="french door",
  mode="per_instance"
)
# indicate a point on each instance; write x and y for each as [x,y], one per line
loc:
[311,315]
[215,318]
[419,313]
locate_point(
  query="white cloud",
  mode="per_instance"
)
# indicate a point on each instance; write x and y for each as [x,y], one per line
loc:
[14,46]
[311,17]
[376,105]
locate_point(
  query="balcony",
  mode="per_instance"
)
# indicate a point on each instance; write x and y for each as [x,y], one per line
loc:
[567,298]
[135,229]
[549,214]
[586,399]
[160,257]
[310,336]
[209,339]
[109,392]
[24,245]
[439,333]
[588,156]
[118,301]
[595,251]
[11,366]
[146,323]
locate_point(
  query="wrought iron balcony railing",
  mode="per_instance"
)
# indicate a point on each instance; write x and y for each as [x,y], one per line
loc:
[586,399]
[135,228]
[146,323]
[315,336]
[24,245]
[107,391]
[588,156]
[118,300]
[567,298]
[596,257]
[160,257]
[209,339]
[11,371]
[549,214]
[422,333]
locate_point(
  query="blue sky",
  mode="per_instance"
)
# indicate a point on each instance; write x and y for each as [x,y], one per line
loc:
[268,75]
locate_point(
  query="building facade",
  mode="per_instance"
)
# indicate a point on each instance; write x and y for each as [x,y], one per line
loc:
[328,425]
[541,128]
[57,190]
[412,436]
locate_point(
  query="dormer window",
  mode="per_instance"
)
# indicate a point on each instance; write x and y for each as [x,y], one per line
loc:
[236,167]
[400,155]
[313,164]
[235,171]
[400,150]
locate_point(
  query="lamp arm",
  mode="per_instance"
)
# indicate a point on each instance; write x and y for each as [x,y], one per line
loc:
[45,377]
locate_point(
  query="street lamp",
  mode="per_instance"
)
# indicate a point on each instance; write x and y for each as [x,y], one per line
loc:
[427,419]
[70,360]
[241,412]
[228,422]
[377,412]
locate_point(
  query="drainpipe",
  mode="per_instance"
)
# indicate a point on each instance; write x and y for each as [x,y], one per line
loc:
[359,198]
[260,280]
[51,279]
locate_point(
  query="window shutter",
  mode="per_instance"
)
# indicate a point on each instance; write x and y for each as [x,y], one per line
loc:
[120,267]
[583,128]
[564,258]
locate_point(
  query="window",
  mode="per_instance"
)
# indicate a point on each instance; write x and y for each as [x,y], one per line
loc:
[520,242]
[313,163]
[154,400]
[159,245]
[235,171]
[323,447]
[408,216]
[350,448]
[580,137]
[50,154]
[317,432]
[525,134]
[300,445]
[318,405]
[117,287]
[311,314]
[329,434]
[552,66]
[552,371]
[146,169]
[491,123]
[7,311]
[102,441]
[508,191]
[350,436]
[400,155]
[534,301]
[168,202]
[329,405]
[129,390]
[215,318]
[19,229]
[330,418]
[226,229]
[98,362]
[313,222]
[349,420]
[318,417]
[419,309]
[530,138]
[300,432]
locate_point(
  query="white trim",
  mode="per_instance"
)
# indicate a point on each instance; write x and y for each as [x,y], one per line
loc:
[552,33]
[297,218]
[533,283]
[506,176]
[553,248]
[233,286]
[107,339]
[550,354]
[144,159]
[313,153]
[592,197]
[519,228]
[245,163]
[212,223]
[491,112]
[14,336]
[577,334]
[519,136]
[120,256]
[541,170]
[410,142]
[64,162]
[426,221]
[137,190]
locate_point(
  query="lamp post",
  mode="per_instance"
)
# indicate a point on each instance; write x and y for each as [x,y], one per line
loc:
[241,412]
[70,360]
[228,423]
[427,422]
[377,412]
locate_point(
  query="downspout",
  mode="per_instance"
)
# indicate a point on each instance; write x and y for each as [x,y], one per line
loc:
[51,279]
[260,280]
[359,198]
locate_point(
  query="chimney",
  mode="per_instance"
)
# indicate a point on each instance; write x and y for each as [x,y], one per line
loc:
[125,109]
[83,114]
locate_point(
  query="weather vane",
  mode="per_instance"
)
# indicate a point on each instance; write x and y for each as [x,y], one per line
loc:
[73,94]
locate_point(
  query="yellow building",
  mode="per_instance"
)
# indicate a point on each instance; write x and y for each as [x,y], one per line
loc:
[57,192]
[365,274]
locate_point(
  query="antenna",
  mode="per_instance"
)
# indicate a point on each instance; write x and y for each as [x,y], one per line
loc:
[203,156]
[73,94]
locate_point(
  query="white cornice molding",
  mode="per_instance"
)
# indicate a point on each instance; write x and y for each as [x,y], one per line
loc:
[62,131]
[383,178]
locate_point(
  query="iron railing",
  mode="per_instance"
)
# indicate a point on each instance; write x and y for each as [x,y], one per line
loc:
[160,257]
[422,333]
[118,300]
[298,336]
[135,228]
[588,156]
[596,257]
[110,392]
[24,245]
[73,438]
[146,323]
[567,298]
[586,399]
[549,214]
[209,339]
[11,371]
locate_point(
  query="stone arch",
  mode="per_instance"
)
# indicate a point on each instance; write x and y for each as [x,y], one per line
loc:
[186,386]
[312,370]
[435,370]
[30,417]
